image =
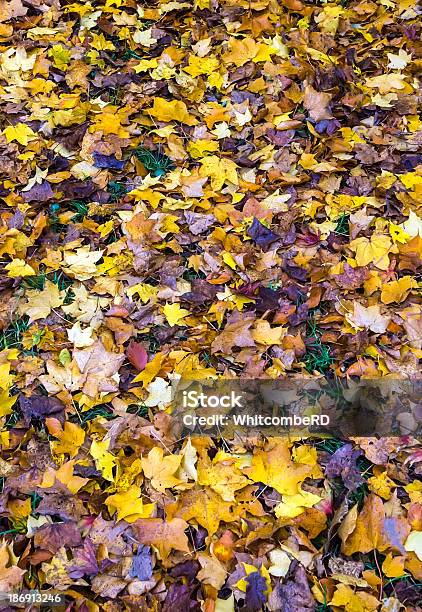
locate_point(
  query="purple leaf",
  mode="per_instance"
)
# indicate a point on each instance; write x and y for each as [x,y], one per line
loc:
[294,595]
[186,569]
[53,537]
[39,193]
[179,598]
[85,561]
[142,564]
[261,235]
[41,406]
[255,597]
[108,161]
[343,463]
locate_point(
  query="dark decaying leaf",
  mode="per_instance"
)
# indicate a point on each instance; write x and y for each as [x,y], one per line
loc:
[352,278]
[294,594]
[108,161]
[180,598]
[343,463]
[53,537]
[41,406]
[186,569]
[201,291]
[260,234]
[84,561]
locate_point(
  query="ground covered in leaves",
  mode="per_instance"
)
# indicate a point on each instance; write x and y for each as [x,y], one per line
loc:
[208,188]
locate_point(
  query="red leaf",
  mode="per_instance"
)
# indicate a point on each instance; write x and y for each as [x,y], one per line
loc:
[137,355]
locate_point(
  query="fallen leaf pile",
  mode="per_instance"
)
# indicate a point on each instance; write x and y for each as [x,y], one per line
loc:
[203,189]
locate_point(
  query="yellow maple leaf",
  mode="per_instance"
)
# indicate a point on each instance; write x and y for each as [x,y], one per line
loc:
[229,260]
[398,234]
[381,484]
[414,489]
[40,303]
[201,65]
[222,476]
[219,171]
[374,250]
[264,53]
[386,82]
[267,335]
[6,378]
[168,225]
[61,56]
[307,161]
[174,110]
[145,65]
[216,80]
[276,469]
[100,43]
[19,267]
[174,313]
[70,437]
[241,51]
[199,148]
[109,123]
[20,132]
[145,291]
[393,567]
[294,505]
[204,506]
[19,508]
[397,291]
[150,371]
[64,475]
[6,402]
[153,197]
[410,179]
[81,263]
[105,228]
[328,19]
[347,599]
[129,505]
[191,367]
[161,470]
[319,56]
[104,461]
[6,381]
